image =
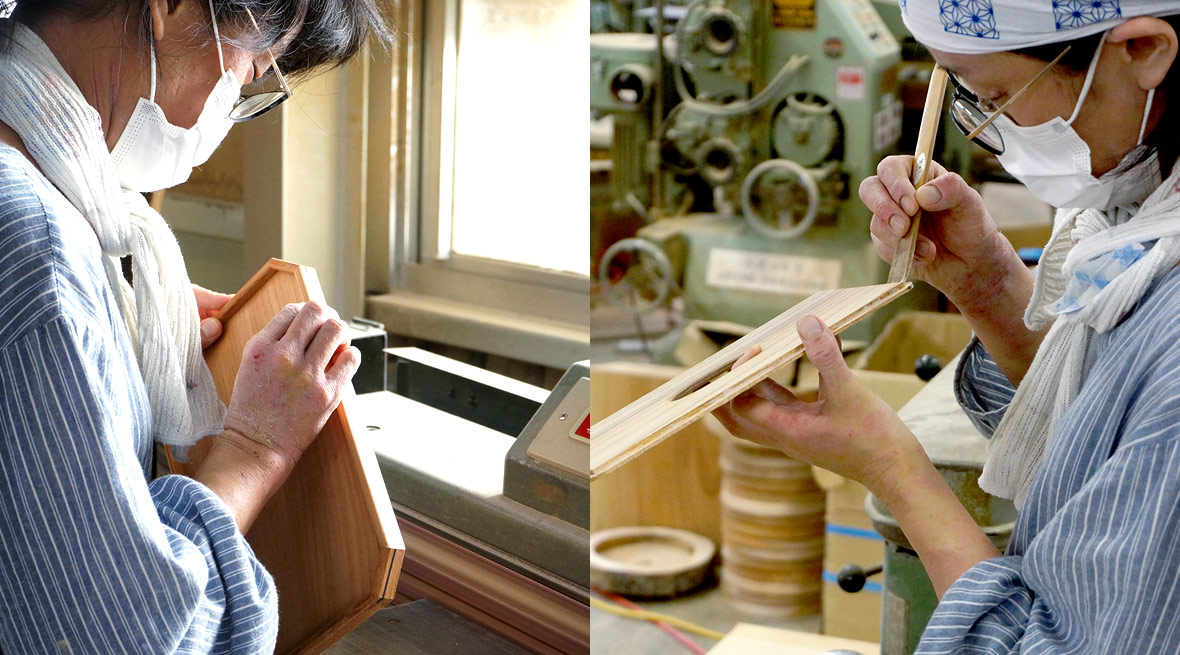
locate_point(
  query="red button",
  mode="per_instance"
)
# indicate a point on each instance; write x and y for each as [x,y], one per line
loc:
[584,429]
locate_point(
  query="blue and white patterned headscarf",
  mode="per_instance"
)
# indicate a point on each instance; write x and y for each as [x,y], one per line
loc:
[980,26]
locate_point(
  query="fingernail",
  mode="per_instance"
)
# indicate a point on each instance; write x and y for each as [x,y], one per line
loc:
[928,195]
[208,327]
[899,225]
[809,328]
[909,205]
[924,250]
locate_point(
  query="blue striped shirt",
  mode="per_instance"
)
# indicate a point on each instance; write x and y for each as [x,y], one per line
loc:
[93,557]
[1093,564]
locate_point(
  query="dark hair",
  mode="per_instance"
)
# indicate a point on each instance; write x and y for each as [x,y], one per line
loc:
[326,32]
[1165,138]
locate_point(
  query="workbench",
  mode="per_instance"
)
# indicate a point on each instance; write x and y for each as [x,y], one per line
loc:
[421,627]
[941,426]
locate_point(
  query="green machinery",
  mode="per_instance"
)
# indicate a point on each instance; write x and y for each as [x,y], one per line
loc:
[773,111]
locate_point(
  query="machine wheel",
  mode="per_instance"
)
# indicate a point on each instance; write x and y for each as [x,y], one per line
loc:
[641,277]
[803,178]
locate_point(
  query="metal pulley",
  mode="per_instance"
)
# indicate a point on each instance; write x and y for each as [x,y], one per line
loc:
[720,32]
[636,274]
[718,161]
[783,187]
[806,129]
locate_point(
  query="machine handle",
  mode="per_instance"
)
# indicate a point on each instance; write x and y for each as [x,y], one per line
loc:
[851,577]
[926,367]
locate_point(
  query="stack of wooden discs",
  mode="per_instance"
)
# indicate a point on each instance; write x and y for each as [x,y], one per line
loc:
[772,532]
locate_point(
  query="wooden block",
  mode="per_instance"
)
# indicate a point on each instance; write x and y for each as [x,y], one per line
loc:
[620,437]
[328,536]
[748,639]
[675,484]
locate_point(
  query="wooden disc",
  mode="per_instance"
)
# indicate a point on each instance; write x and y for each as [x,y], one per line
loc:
[649,561]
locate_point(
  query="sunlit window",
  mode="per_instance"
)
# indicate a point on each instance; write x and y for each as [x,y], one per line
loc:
[520,183]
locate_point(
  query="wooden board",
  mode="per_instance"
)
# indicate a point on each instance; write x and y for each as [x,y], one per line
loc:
[328,536]
[676,483]
[637,427]
[749,639]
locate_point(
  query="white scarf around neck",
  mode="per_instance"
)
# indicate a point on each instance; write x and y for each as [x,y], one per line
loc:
[64,135]
[1083,242]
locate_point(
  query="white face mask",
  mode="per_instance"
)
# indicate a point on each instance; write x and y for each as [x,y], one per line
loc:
[153,154]
[1054,162]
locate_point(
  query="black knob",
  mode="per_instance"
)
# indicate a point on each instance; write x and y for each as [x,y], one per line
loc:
[851,577]
[927,367]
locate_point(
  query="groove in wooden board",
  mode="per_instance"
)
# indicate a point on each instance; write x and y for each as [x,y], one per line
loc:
[630,431]
[328,536]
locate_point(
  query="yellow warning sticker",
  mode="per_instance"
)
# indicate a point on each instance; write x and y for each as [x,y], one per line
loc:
[793,14]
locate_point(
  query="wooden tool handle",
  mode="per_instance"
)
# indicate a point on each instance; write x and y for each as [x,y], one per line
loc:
[903,256]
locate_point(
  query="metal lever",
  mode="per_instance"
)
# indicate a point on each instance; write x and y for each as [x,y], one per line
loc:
[851,577]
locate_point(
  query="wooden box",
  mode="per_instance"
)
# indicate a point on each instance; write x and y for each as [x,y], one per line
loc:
[328,536]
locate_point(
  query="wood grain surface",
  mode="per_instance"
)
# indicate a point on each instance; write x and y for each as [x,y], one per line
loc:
[675,483]
[328,536]
[748,639]
[625,434]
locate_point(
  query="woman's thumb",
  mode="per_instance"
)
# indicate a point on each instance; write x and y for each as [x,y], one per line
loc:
[822,348]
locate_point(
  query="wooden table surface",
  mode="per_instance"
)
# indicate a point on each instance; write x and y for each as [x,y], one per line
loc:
[421,627]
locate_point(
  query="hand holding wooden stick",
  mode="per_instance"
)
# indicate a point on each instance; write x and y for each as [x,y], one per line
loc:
[903,256]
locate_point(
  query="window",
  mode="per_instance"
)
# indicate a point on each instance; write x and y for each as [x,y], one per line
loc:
[519,134]
[486,223]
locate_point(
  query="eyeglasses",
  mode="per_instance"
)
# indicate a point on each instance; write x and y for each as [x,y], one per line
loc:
[974,117]
[256,102]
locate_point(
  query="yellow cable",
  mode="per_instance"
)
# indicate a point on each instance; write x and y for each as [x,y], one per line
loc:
[655,616]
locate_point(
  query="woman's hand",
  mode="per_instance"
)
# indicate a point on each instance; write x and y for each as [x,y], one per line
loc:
[848,430]
[293,375]
[851,431]
[209,303]
[959,250]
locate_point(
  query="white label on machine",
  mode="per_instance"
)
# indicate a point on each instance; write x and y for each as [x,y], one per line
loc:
[850,83]
[887,123]
[743,270]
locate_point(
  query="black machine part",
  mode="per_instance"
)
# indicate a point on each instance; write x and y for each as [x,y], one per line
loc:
[852,577]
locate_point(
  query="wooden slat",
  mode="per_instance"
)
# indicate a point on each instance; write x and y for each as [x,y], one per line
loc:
[748,639]
[637,427]
[328,536]
[903,255]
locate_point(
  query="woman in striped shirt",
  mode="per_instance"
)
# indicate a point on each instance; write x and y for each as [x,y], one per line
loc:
[1074,370]
[100,100]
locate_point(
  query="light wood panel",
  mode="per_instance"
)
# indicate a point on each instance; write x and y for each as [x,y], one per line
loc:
[328,536]
[749,639]
[623,435]
[674,484]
